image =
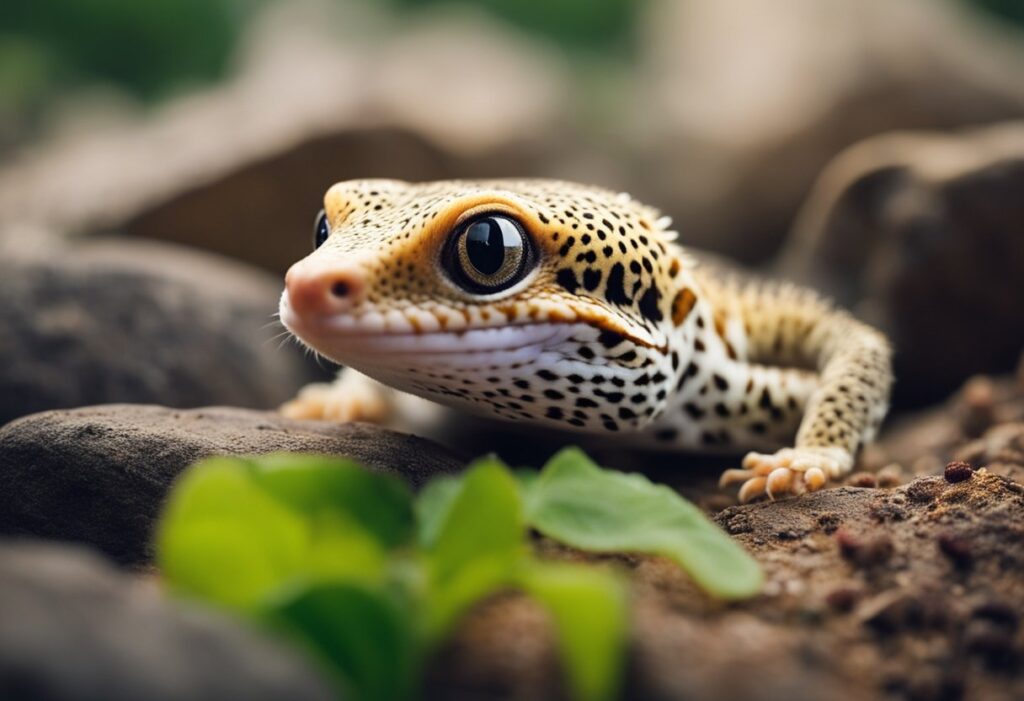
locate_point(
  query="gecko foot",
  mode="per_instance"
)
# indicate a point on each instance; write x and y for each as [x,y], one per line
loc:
[353,397]
[788,471]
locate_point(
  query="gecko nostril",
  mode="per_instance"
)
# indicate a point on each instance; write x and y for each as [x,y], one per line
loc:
[340,289]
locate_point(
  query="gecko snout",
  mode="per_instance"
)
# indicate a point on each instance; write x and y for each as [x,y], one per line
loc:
[324,287]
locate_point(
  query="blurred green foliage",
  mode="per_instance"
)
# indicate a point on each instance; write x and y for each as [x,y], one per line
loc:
[151,48]
[604,26]
[1011,10]
[147,47]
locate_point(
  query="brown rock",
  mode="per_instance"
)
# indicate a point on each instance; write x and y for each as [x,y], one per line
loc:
[920,232]
[747,102]
[99,475]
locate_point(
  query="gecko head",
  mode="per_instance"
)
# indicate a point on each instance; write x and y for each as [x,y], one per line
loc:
[534,300]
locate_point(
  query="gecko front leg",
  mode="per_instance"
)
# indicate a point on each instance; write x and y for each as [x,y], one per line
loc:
[792,327]
[351,397]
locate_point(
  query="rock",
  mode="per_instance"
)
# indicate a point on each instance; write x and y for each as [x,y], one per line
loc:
[922,233]
[740,105]
[136,322]
[242,167]
[75,629]
[99,475]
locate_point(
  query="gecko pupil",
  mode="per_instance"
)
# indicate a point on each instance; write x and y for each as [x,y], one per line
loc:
[488,254]
[485,245]
[321,229]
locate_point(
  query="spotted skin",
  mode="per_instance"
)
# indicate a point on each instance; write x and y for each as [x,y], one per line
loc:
[612,328]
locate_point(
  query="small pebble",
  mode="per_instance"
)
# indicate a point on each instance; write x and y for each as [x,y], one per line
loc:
[849,545]
[956,548]
[843,598]
[829,522]
[978,406]
[924,490]
[991,642]
[863,480]
[958,471]
[794,587]
[979,392]
[886,612]
[890,475]
[998,612]
[863,552]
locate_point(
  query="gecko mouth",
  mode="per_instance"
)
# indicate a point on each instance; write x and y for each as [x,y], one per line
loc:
[343,339]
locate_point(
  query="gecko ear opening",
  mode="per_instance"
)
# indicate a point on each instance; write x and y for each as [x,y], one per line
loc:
[488,253]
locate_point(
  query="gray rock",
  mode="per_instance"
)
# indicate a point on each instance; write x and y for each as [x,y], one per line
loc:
[133,322]
[72,628]
[921,232]
[99,475]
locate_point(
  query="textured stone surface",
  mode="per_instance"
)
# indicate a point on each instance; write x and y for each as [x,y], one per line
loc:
[72,628]
[140,322]
[921,234]
[98,475]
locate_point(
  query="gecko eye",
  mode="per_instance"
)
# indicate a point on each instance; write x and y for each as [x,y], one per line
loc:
[321,230]
[488,254]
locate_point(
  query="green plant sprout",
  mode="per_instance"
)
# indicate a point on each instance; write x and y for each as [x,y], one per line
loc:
[370,579]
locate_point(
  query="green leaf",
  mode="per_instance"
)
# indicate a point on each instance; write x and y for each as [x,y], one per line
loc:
[478,543]
[358,633]
[227,538]
[484,519]
[224,539]
[578,503]
[338,548]
[313,484]
[588,607]
[432,506]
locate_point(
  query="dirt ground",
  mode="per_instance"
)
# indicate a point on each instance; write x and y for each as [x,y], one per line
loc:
[895,585]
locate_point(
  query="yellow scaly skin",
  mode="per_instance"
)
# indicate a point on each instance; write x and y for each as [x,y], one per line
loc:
[554,303]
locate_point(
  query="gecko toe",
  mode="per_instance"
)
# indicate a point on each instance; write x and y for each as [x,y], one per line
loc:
[814,479]
[779,481]
[752,488]
[733,476]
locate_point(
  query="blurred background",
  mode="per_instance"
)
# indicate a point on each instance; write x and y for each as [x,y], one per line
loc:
[867,147]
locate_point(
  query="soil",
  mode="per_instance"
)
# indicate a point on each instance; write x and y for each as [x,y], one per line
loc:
[891,586]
